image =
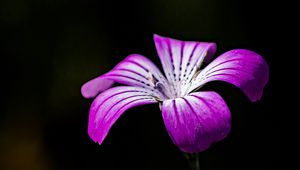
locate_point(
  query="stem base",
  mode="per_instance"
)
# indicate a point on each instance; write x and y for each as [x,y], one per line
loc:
[193,160]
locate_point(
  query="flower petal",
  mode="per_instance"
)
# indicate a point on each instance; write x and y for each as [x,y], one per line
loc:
[243,68]
[134,70]
[111,104]
[91,88]
[180,59]
[196,121]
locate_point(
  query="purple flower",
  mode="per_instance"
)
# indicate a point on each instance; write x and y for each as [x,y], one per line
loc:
[194,120]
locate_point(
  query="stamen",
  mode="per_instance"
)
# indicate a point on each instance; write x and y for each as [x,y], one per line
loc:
[167,92]
[157,99]
[196,73]
[151,79]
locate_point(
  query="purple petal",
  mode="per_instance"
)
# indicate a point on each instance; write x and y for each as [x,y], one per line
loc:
[134,70]
[180,59]
[91,88]
[243,68]
[111,104]
[196,121]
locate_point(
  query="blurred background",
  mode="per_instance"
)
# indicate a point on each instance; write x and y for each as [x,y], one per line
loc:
[50,48]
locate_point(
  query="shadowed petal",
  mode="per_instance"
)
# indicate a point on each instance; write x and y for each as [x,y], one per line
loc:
[134,70]
[195,121]
[243,68]
[111,104]
[91,88]
[180,59]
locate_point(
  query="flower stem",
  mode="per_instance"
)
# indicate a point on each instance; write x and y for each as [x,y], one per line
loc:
[193,160]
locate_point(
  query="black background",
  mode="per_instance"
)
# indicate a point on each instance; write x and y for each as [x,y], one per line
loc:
[50,48]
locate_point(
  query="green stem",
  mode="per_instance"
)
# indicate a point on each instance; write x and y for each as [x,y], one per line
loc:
[193,160]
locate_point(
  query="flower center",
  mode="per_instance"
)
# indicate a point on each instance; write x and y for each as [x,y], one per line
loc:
[166,90]
[171,90]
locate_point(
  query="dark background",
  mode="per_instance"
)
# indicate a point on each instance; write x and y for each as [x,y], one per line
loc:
[50,48]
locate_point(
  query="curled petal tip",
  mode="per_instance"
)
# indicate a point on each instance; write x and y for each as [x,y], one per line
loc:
[242,68]
[91,88]
[85,92]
